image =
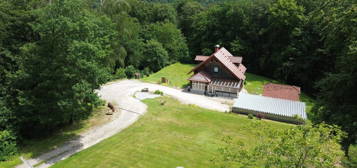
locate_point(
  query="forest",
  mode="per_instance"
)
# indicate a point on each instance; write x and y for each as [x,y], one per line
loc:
[55,53]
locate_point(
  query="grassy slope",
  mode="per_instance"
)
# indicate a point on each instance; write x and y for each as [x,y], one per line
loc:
[33,148]
[177,74]
[169,136]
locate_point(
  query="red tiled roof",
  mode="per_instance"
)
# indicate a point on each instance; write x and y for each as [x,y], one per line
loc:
[242,68]
[234,59]
[223,56]
[282,91]
[200,77]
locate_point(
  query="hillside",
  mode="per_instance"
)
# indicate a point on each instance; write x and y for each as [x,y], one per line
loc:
[171,135]
[177,74]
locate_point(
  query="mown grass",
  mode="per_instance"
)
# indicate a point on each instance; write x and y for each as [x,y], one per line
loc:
[171,135]
[255,83]
[35,147]
[177,74]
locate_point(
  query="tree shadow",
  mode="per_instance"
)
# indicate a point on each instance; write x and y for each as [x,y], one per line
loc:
[65,150]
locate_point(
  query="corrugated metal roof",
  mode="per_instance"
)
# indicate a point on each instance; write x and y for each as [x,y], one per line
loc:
[270,105]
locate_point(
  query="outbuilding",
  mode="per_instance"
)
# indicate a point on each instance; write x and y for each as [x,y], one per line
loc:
[270,108]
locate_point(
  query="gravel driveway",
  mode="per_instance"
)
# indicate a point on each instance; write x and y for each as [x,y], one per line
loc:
[121,93]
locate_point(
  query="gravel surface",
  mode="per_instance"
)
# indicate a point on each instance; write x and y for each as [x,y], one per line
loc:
[145,95]
[121,94]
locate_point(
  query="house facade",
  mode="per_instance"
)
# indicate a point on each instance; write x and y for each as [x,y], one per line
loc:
[220,74]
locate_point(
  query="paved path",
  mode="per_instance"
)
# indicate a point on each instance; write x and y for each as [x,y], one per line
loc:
[121,93]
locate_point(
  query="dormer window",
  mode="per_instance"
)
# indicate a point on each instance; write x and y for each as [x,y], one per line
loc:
[215,69]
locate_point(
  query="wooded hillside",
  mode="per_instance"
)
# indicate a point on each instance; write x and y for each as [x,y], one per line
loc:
[55,53]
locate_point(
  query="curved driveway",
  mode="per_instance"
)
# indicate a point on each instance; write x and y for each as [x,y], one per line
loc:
[121,94]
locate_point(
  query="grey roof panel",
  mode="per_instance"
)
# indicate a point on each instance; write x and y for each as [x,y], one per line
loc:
[270,105]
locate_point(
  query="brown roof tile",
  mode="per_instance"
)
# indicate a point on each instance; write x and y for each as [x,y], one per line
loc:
[234,59]
[201,58]
[282,91]
[200,77]
[223,56]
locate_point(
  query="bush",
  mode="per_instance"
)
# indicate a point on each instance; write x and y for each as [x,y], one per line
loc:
[299,119]
[120,74]
[250,116]
[156,56]
[146,71]
[260,116]
[159,92]
[351,161]
[130,71]
[7,145]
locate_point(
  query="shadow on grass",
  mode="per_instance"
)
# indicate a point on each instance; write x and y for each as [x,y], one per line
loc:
[66,149]
[35,147]
[31,148]
[54,147]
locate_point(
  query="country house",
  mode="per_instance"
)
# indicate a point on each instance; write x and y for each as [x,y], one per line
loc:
[220,74]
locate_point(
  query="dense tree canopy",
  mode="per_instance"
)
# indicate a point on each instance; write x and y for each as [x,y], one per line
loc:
[60,71]
[54,54]
[297,147]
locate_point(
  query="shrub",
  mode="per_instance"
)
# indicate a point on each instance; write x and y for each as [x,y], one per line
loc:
[260,116]
[146,71]
[159,92]
[7,145]
[130,71]
[299,119]
[120,74]
[250,116]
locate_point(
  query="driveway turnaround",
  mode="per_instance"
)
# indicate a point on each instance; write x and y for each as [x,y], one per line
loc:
[121,94]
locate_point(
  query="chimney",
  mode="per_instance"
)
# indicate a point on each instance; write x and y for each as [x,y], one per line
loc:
[216,48]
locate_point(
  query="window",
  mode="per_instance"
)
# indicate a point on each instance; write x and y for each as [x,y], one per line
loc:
[215,69]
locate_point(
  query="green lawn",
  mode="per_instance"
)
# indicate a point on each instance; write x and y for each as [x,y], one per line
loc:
[33,148]
[171,135]
[177,74]
[255,83]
